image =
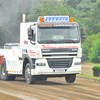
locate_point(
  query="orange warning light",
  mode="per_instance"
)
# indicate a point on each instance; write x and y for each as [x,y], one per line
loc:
[71,19]
[40,19]
[29,29]
[29,33]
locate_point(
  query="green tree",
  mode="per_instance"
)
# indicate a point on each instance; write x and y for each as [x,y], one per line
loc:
[93,22]
[94,54]
[79,7]
[88,44]
[79,10]
[46,7]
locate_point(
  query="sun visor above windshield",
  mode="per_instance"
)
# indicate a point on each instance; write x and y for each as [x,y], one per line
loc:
[57,24]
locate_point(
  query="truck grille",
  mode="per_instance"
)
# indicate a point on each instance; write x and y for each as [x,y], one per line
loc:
[59,50]
[62,52]
[60,62]
[53,55]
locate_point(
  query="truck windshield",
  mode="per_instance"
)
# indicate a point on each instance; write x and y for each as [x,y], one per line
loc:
[50,35]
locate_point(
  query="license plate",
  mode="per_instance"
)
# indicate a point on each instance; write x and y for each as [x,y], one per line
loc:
[59,70]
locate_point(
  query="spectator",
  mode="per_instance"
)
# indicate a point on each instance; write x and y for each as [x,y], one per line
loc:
[66,34]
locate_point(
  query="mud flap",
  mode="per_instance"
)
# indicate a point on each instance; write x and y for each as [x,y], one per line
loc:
[0,71]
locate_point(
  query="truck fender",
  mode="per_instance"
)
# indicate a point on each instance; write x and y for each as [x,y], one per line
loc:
[31,61]
[26,59]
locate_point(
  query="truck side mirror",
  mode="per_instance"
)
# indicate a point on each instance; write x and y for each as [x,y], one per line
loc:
[83,33]
[31,35]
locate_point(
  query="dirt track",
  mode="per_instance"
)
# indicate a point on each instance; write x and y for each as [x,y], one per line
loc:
[52,89]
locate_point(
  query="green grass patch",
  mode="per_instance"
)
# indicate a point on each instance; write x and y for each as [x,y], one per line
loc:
[88,76]
[87,71]
[90,63]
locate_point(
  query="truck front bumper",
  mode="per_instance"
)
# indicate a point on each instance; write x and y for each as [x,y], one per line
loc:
[46,70]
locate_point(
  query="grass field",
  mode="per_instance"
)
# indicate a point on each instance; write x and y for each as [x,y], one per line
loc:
[87,71]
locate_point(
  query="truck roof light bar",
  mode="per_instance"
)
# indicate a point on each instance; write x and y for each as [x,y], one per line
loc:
[11,44]
[56,18]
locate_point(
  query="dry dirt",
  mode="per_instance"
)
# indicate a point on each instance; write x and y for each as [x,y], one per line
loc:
[52,89]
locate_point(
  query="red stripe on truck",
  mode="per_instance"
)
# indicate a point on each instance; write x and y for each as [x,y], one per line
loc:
[49,46]
[1,58]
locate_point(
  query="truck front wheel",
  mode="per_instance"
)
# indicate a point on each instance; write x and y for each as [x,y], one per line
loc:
[70,78]
[30,79]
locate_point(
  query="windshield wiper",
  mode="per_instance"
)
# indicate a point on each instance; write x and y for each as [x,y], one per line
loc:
[52,41]
[47,41]
[69,41]
[72,41]
[60,41]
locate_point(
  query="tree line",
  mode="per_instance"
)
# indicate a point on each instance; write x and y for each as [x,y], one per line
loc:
[85,12]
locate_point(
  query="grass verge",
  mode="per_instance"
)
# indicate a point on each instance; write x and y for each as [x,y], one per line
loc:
[87,71]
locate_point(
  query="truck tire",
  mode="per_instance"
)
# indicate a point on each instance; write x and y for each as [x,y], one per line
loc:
[3,72]
[70,78]
[30,79]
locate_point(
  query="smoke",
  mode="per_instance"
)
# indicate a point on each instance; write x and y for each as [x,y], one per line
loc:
[10,19]
[25,4]
[8,9]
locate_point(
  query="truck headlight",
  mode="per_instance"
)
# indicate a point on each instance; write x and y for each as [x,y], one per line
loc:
[77,63]
[40,64]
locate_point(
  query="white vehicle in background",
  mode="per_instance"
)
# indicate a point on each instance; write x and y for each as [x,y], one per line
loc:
[50,47]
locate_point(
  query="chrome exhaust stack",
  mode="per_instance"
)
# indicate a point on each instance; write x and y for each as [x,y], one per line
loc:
[24,18]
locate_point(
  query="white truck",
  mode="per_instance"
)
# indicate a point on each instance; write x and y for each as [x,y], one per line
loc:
[50,47]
